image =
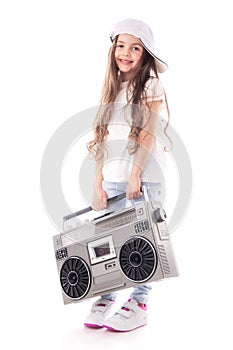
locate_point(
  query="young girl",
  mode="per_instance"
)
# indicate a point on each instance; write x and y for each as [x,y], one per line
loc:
[127,154]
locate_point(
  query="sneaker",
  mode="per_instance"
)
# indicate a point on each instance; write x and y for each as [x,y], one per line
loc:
[132,315]
[99,312]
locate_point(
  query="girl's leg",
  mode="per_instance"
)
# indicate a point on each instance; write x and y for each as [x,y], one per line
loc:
[141,292]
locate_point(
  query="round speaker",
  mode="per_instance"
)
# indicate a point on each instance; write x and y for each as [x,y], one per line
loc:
[75,277]
[138,259]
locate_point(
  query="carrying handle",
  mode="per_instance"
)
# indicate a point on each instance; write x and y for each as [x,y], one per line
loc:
[87,209]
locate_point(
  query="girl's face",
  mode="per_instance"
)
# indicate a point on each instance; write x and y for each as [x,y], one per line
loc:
[128,55]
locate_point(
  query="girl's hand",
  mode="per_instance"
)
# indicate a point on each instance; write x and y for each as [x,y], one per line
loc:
[133,188]
[99,201]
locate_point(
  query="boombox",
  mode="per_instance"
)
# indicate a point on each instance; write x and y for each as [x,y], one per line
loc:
[115,251]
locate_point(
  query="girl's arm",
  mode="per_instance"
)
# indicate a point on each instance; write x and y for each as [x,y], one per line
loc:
[99,201]
[146,143]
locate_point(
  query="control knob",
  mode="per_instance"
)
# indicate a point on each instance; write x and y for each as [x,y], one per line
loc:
[159,215]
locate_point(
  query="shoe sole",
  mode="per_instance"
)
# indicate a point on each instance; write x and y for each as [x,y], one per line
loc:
[123,330]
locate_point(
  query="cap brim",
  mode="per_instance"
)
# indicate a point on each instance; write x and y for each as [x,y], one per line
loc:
[160,65]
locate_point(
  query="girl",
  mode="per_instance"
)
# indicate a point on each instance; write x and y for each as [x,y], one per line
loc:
[126,152]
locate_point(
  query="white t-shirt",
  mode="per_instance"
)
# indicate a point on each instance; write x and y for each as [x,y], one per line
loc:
[118,163]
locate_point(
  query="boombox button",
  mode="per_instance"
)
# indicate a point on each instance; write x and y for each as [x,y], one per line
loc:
[110,265]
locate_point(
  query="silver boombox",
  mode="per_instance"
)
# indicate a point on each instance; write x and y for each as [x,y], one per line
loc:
[114,251]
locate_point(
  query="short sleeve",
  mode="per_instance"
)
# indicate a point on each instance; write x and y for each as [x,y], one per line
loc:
[154,90]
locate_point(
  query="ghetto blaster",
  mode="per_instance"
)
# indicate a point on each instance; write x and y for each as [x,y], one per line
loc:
[114,251]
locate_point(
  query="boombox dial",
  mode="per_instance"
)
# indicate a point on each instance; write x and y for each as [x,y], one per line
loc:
[159,215]
[138,259]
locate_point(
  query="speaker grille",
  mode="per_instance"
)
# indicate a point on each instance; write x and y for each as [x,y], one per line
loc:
[164,261]
[75,277]
[138,259]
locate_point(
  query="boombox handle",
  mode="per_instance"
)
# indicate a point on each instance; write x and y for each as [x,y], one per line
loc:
[87,209]
[109,200]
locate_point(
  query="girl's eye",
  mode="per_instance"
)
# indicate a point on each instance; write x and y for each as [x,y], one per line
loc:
[134,48]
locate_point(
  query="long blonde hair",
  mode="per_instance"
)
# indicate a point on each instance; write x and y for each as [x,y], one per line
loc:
[136,96]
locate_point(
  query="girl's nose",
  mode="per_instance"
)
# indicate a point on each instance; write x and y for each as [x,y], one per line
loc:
[126,52]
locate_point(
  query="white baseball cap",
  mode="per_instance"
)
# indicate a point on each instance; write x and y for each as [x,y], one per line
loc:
[143,32]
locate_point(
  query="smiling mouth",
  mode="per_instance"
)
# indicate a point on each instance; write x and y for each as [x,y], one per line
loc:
[126,62]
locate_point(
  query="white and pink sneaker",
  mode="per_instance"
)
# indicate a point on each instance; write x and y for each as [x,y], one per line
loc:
[99,312]
[132,315]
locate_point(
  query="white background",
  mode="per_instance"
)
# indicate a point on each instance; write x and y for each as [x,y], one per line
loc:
[53,60]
